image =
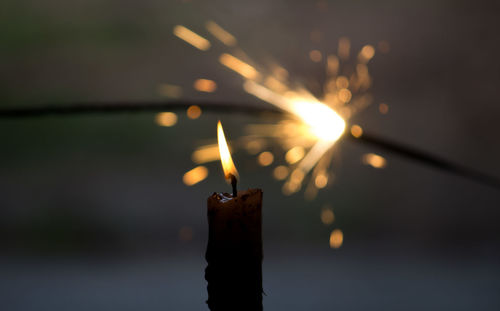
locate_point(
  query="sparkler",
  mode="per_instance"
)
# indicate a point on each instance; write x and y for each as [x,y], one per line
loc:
[311,127]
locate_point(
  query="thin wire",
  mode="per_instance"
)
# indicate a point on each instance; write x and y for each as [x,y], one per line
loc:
[131,107]
[427,159]
[247,109]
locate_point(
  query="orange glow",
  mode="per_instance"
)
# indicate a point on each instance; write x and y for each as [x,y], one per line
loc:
[336,238]
[221,34]
[383,108]
[294,155]
[207,153]
[374,160]
[193,112]
[225,155]
[192,38]
[280,172]
[315,56]
[195,175]
[327,216]
[166,119]
[356,131]
[170,90]
[205,85]
[265,158]
[239,66]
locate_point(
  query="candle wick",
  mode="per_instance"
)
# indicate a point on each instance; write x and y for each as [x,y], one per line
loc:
[234,181]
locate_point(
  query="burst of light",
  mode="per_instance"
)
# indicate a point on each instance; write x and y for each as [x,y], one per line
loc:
[266,158]
[166,119]
[205,85]
[221,34]
[193,112]
[195,175]
[336,238]
[374,160]
[225,155]
[314,124]
[327,216]
[191,37]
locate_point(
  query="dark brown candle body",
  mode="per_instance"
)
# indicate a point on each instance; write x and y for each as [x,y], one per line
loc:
[234,251]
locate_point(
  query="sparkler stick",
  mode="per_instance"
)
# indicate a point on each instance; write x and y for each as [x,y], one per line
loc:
[136,107]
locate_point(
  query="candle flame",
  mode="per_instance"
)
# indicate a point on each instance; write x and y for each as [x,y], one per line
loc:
[225,155]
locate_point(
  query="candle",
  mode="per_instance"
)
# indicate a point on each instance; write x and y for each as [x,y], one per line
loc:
[234,251]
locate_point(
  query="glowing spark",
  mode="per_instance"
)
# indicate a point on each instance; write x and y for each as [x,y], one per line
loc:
[166,119]
[356,131]
[266,158]
[294,155]
[327,216]
[383,108]
[315,56]
[280,172]
[239,66]
[193,112]
[336,238]
[195,175]
[374,160]
[204,154]
[221,34]
[205,85]
[191,37]
[366,53]
[321,180]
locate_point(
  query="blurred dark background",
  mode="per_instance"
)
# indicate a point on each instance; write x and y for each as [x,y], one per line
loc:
[93,211]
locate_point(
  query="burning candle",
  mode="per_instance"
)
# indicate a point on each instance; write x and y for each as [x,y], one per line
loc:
[234,251]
